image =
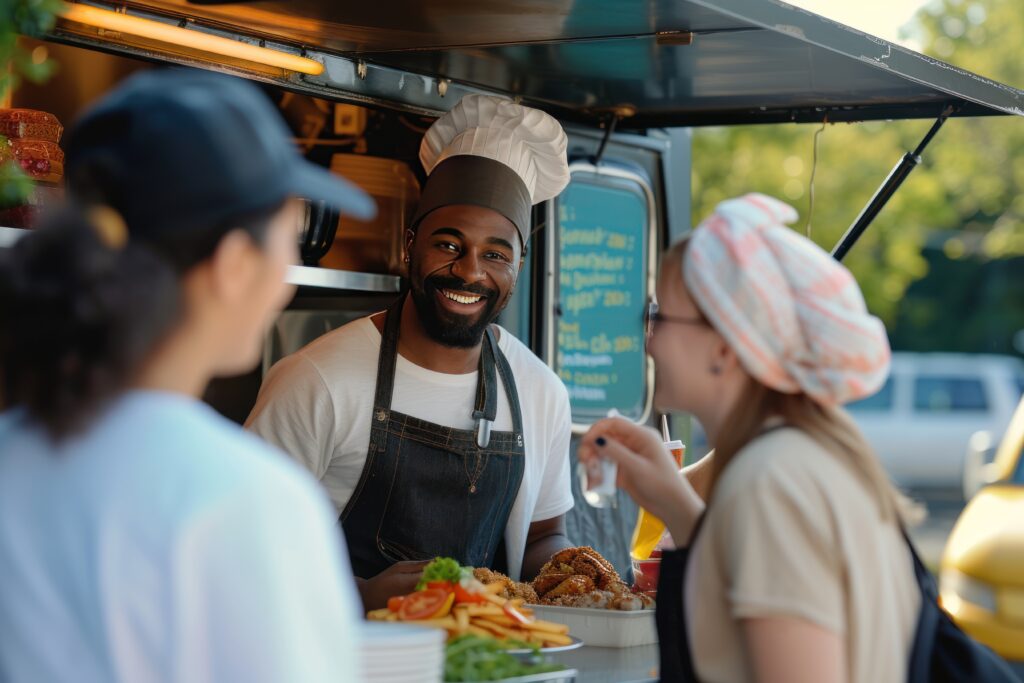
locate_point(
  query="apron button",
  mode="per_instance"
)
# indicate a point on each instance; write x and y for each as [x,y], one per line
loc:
[381,416]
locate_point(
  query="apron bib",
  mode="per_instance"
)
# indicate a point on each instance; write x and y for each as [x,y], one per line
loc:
[429,490]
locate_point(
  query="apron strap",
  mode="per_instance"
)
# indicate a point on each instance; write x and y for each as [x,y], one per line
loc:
[387,359]
[486,398]
[486,408]
[509,380]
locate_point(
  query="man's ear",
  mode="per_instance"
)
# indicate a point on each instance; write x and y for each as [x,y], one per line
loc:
[410,237]
[232,265]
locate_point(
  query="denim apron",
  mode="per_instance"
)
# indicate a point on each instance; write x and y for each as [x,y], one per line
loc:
[428,490]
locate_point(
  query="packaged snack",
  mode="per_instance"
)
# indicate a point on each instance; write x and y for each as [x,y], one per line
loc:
[40,159]
[29,124]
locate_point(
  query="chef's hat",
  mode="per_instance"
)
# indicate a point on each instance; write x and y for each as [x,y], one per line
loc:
[492,152]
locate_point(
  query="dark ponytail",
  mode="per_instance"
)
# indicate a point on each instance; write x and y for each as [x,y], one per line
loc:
[78,317]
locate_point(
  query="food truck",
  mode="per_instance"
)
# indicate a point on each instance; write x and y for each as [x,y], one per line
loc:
[359,83]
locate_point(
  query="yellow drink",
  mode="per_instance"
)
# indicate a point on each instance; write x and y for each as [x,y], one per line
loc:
[650,529]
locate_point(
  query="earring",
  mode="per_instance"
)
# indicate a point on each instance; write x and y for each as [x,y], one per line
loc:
[716,370]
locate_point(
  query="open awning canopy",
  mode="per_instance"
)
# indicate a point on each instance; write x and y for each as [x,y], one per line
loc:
[656,62]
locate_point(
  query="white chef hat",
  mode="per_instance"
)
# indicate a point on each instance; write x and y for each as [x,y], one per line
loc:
[492,152]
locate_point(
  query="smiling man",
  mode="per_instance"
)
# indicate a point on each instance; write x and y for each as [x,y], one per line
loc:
[435,431]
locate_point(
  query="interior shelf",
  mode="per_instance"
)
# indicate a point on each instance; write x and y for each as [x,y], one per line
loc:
[302,276]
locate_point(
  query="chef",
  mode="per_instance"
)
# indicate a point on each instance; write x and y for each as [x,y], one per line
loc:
[435,431]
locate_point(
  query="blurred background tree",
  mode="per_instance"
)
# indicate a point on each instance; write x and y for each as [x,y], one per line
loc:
[943,264]
[30,18]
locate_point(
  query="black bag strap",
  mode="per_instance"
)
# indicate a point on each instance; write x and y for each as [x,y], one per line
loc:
[928,620]
[941,651]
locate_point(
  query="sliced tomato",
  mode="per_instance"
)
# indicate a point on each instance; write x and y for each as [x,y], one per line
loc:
[515,614]
[395,602]
[445,585]
[429,604]
[463,595]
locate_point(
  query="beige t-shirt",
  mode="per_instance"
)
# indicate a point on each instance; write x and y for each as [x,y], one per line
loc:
[793,532]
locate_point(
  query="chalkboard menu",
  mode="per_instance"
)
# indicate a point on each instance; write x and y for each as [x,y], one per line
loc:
[604,232]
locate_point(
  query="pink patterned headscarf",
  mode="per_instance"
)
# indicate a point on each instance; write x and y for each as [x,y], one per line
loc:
[794,316]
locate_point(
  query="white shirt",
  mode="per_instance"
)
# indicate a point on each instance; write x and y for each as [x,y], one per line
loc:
[166,544]
[317,403]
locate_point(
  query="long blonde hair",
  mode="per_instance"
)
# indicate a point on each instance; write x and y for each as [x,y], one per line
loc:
[830,426]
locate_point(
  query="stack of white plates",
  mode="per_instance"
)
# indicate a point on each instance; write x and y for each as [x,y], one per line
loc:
[399,653]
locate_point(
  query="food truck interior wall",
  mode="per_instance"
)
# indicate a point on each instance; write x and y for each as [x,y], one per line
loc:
[662,156]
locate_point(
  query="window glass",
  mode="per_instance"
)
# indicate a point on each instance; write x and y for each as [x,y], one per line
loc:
[879,401]
[936,394]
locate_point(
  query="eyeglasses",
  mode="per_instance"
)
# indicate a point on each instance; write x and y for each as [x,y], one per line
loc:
[652,317]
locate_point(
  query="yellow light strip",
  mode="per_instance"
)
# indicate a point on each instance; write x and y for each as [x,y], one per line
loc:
[196,40]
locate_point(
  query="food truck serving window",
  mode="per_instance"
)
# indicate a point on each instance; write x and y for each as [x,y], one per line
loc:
[602,271]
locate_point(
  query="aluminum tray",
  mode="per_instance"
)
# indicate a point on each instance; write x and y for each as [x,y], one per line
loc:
[603,627]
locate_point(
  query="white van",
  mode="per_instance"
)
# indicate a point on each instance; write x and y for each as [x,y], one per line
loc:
[921,421]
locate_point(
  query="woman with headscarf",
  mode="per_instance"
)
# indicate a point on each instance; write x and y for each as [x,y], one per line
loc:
[796,569]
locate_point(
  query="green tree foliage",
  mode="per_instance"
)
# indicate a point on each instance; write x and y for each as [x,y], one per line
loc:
[967,196]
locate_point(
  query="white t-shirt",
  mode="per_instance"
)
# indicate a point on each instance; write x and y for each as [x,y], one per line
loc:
[166,544]
[317,403]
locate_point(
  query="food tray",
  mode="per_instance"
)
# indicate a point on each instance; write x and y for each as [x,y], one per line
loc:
[603,627]
[563,676]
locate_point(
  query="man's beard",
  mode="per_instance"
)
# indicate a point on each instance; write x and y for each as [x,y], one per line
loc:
[452,329]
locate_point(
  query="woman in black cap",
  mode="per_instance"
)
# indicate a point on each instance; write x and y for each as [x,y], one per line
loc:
[142,536]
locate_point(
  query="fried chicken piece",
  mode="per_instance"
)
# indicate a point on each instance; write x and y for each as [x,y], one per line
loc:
[594,599]
[574,585]
[627,603]
[545,583]
[526,592]
[580,577]
[488,576]
[509,588]
[555,568]
[588,562]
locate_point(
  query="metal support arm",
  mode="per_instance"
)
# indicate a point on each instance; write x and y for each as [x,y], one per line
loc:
[892,183]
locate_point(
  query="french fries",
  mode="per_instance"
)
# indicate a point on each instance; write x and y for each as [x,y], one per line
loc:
[490,619]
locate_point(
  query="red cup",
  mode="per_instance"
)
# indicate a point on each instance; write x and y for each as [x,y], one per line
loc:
[645,574]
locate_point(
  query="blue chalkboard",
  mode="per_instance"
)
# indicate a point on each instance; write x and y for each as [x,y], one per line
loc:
[603,234]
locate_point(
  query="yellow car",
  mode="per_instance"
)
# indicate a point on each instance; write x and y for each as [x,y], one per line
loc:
[981,577]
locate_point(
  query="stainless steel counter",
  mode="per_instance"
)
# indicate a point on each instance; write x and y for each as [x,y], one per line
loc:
[612,664]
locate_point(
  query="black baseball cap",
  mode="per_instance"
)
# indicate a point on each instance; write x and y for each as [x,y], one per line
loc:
[184,149]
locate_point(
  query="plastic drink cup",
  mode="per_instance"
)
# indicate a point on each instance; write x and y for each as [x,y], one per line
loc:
[649,529]
[597,481]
